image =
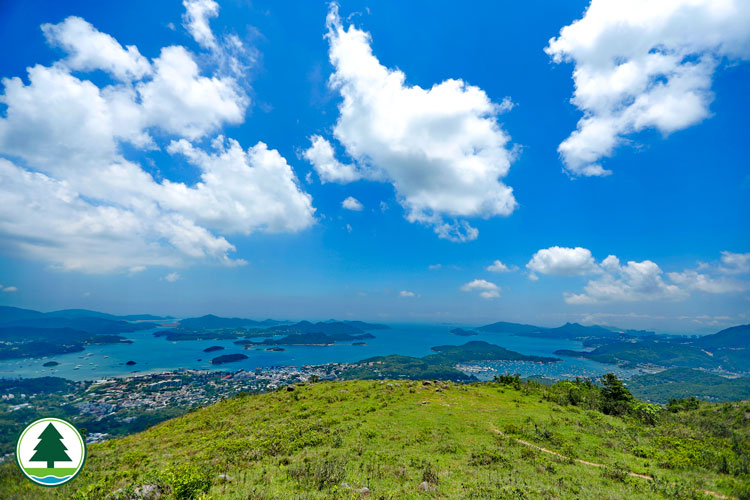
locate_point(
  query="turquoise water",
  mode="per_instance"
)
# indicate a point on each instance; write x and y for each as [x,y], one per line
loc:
[153,354]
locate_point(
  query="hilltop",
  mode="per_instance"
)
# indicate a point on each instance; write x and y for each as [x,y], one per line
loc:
[423,439]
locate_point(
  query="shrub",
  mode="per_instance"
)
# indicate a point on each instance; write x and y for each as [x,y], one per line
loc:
[186,481]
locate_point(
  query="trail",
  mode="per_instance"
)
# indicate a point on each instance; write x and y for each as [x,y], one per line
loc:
[592,464]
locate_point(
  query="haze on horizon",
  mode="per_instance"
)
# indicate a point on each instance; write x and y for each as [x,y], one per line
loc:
[383,162]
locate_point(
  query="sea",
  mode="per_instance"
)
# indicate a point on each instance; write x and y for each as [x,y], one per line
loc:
[156,354]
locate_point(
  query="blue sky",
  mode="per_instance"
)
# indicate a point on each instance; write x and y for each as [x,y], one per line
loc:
[657,177]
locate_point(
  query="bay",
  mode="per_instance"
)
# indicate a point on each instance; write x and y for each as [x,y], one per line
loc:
[156,354]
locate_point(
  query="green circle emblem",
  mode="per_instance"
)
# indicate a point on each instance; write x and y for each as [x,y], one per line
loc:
[50,451]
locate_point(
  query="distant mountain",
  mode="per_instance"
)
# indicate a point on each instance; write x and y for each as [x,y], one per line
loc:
[577,331]
[212,322]
[314,338]
[329,328]
[734,337]
[662,353]
[8,314]
[80,313]
[86,313]
[86,324]
[511,328]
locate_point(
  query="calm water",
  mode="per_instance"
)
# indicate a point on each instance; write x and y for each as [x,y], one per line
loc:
[157,354]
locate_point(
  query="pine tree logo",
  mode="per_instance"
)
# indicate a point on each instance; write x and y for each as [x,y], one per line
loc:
[50,451]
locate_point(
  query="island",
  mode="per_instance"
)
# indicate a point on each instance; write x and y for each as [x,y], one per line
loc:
[312,339]
[276,349]
[228,358]
[213,348]
[50,363]
[463,333]
[130,363]
[436,366]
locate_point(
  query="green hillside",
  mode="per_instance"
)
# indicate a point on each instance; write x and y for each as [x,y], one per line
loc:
[415,440]
[686,382]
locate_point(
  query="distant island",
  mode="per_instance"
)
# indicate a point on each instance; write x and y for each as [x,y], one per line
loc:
[313,339]
[338,330]
[32,334]
[228,358]
[435,366]
[463,333]
[213,348]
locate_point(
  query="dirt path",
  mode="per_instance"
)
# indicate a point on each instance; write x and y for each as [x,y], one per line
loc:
[592,464]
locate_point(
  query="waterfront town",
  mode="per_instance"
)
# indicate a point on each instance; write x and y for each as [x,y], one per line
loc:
[116,406]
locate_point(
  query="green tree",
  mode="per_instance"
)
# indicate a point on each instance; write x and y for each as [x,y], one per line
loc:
[616,398]
[50,448]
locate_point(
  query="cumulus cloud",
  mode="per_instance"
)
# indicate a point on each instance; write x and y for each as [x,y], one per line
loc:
[89,49]
[499,267]
[407,294]
[641,65]
[9,289]
[442,148]
[634,281]
[562,261]
[321,156]
[181,101]
[352,203]
[69,197]
[487,289]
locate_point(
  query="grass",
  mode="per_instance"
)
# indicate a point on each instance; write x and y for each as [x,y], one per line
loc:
[329,440]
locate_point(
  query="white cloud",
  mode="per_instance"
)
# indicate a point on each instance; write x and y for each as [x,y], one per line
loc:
[195,20]
[441,148]
[693,280]
[9,289]
[407,294]
[181,101]
[639,281]
[88,49]
[172,277]
[635,281]
[562,261]
[487,289]
[499,267]
[79,204]
[237,184]
[352,203]
[329,169]
[644,64]
[735,263]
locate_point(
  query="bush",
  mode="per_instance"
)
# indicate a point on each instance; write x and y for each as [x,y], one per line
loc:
[186,481]
[646,412]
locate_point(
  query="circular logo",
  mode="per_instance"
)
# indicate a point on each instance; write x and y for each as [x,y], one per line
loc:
[50,451]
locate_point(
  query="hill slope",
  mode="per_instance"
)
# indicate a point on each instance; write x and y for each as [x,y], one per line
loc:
[329,440]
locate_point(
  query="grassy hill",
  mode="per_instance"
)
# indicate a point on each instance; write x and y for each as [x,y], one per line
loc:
[686,382]
[415,440]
